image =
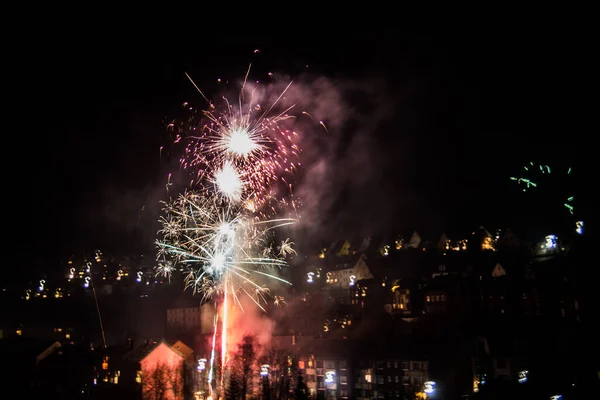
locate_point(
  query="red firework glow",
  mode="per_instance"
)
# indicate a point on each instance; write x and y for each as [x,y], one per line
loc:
[224,330]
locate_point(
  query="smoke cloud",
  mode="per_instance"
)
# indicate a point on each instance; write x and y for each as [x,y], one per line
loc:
[356,141]
[248,320]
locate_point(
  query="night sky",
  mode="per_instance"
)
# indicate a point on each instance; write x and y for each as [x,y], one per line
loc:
[436,125]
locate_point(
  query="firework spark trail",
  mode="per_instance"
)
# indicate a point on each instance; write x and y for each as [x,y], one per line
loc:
[212,354]
[224,331]
[550,181]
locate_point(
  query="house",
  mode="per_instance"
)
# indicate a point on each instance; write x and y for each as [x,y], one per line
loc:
[415,241]
[343,272]
[338,272]
[401,303]
[162,372]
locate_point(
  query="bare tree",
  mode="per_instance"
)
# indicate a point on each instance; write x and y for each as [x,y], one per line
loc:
[247,360]
[281,368]
[176,380]
[156,382]
[161,380]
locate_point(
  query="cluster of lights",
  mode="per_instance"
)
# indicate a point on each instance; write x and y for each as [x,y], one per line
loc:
[310,277]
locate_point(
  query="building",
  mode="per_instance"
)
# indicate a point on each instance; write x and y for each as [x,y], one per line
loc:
[339,272]
[162,373]
[391,378]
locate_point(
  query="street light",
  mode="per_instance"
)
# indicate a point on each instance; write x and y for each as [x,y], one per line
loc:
[329,377]
[429,387]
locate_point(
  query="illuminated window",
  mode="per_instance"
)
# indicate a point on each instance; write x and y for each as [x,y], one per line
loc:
[19,332]
[67,336]
[301,364]
[138,377]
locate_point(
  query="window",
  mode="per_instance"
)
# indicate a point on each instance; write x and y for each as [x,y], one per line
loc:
[380,379]
[319,363]
[301,364]
[343,379]
[396,379]
[389,364]
[343,364]
[405,365]
[406,380]
[389,379]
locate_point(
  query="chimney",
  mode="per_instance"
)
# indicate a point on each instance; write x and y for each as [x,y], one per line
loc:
[293,340]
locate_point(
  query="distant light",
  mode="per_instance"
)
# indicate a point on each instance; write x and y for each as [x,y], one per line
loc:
[556,397]
[429,387]
[551,241]
[579,227]
[329,376]
[201,364]
[264,370]
[523,376]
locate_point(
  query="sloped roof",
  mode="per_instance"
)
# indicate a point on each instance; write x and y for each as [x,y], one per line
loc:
[140,352]
[166,345]
[183,349]
[336,263]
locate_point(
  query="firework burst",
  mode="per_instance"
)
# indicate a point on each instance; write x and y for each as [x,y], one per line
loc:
[211,238]
[241,158]
[243,152]
[555,184]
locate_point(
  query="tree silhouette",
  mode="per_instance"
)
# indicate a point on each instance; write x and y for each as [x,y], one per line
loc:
[176,380]
[233,390]
[301,391]
[247,360]
[156,383]
[162,380]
